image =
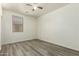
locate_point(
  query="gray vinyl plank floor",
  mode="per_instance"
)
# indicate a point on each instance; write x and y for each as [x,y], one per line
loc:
[36,48]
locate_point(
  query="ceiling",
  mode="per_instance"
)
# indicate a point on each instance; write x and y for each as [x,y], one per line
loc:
[27,10]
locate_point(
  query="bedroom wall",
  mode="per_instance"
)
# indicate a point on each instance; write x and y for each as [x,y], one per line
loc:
[61,26]
[29,28]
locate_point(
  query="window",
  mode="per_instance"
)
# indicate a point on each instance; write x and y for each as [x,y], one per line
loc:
[17,24]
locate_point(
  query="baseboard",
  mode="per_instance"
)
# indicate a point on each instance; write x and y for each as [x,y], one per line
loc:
[17,41]
[46,42]
[5,43]
[59,45]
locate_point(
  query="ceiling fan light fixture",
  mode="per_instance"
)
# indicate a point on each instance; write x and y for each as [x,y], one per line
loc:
[35,7]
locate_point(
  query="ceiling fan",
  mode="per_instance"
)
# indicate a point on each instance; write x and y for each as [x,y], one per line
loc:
[35,6]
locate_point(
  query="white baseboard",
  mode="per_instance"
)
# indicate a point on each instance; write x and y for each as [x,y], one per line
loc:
[10,42]
[62,45]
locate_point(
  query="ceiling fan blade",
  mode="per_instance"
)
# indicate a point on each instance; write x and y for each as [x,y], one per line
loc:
[29,4]
[40,7]
[33,9]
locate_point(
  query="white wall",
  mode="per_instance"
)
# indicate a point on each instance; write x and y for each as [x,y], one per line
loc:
[0,24]
[61,26]
[29,28]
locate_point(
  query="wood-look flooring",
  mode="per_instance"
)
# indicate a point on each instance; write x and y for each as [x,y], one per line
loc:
[36,48]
